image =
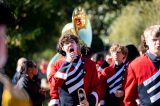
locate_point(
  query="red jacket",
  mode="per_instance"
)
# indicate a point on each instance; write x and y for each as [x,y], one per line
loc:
[143,80]
[91,80]
[107,92]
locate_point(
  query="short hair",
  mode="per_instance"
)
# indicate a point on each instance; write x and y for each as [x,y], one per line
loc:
[20,63]
[27,64]
[6,15]
[65,38]
[142,48]
[152,31]
[21,60]
[116,47]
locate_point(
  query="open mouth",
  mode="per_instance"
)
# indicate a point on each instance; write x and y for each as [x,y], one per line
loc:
[71,50]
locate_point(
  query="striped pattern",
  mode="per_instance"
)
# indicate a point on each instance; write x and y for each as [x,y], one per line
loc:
[53,102]
[115,82]
[75,78]
[153,87]
[63,71]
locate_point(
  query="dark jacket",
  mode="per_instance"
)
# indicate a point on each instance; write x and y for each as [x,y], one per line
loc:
[32,88]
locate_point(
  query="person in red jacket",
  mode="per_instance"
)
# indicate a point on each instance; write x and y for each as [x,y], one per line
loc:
[143,75]
[70,73]
[113,76]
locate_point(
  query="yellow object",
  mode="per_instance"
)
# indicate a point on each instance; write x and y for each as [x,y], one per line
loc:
[9,99]
[13,96]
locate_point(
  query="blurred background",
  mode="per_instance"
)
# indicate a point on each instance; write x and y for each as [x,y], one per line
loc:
[39,23]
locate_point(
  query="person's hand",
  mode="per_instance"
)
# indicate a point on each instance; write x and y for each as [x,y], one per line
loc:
[119,93]
[84,103]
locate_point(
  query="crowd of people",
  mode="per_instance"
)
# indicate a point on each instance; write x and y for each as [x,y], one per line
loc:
[124,76]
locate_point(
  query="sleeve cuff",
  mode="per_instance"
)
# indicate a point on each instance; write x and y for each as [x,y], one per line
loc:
[53,102]
[96,96]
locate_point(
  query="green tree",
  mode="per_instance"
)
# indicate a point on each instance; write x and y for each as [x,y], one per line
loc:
[39,24]
[135,17]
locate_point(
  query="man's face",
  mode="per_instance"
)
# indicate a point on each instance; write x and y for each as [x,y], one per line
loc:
[153,43]
[117,57]
[3,50]
[70,46]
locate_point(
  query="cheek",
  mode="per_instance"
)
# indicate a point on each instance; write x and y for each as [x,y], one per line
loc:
[120,56]
[64,48]
[150,44]
[76,47]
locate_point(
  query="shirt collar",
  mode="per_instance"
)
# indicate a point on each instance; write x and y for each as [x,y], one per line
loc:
[153,57]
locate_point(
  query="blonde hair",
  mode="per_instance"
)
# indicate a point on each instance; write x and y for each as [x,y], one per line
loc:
[117,47]
[152,31]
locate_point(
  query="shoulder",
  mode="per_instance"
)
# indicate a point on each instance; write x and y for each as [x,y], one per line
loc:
[140,60]
[108,70]
[88,61]
[58,62]
[22,81]
[23,78]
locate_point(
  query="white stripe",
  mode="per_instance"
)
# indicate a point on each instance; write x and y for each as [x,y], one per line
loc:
[77,66]
[60,75]
[146,82]
[73,88]
[155,97]
[114,76]
[96,96]
[115,88]
[119,79]
[73,79]
[100,69]
[153,87]
[53,102]
[138,102]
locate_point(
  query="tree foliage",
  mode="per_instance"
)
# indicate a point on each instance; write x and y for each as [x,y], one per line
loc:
[135,17]
[39,23]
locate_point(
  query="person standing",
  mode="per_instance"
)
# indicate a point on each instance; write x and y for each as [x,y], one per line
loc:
[113,76]
[143,75]
[18,72]
[28,82]
[72,72]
